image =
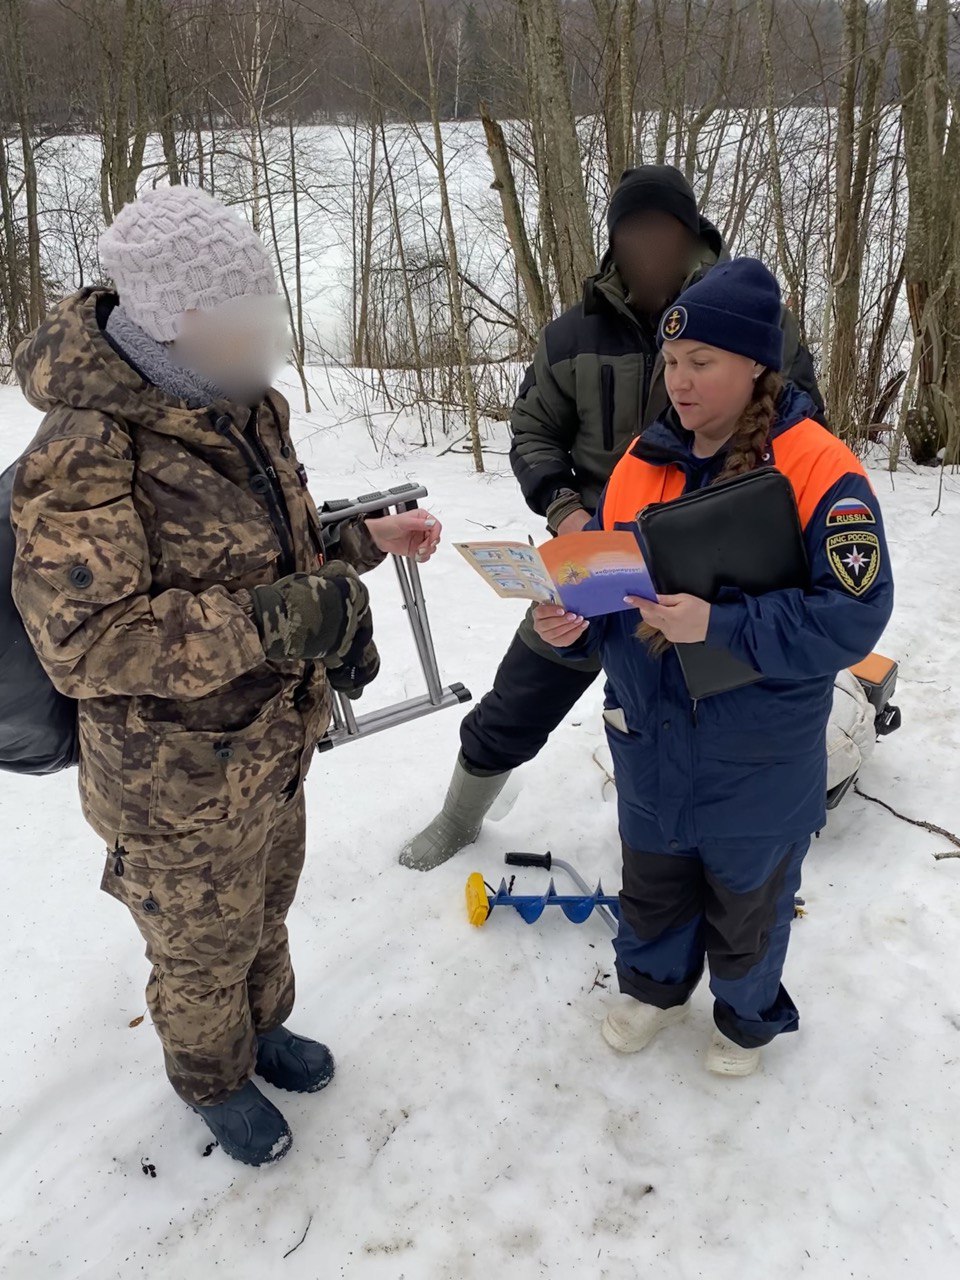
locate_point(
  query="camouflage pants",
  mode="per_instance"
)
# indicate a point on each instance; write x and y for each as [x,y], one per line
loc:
[212,911]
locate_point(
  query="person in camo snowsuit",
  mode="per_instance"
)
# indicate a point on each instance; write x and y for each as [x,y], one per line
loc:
[595,381]
[174,577]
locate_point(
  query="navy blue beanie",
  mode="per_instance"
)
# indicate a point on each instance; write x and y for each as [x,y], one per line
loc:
[736,307]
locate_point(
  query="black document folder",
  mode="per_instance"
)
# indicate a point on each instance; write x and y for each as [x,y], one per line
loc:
[743,533]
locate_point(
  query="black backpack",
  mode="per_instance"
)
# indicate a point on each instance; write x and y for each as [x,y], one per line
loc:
[38,725]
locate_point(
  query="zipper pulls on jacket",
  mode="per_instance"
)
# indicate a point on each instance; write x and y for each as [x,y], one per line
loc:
[646,387]
[268,466]
[259,461]
[118,864]
[695,702]
[647,374]
[258,447]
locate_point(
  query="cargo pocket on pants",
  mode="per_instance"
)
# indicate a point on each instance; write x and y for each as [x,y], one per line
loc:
[177,911]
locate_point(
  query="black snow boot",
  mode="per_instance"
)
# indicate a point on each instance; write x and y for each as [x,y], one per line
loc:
[248,1127]
[292,1062]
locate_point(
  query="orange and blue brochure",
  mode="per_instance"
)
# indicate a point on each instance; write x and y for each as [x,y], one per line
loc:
[588,573]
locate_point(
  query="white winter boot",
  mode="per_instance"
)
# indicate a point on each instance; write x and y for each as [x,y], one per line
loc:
[725,1058]
[631,1025]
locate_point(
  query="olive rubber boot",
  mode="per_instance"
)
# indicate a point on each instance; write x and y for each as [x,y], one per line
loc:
[458,823]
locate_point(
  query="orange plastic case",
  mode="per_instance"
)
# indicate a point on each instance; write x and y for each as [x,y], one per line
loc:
[878,675]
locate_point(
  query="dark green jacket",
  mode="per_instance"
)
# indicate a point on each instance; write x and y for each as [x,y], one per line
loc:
[597,380]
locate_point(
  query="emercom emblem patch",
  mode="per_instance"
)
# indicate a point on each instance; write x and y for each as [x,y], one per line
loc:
[855,559]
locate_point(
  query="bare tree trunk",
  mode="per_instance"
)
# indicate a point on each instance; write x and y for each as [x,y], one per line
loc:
[14,57]
[784,255]
[453,260]
[412,324]
[616,24]
[545,222]
[932,151]
[252,79]
[362,345]
[9,276]
[124,108]
[296,304]
[158,27]
[506,188]
[666,74]
[14,299]
[252,51]
[546,62]
[856,150]
[628,82]
[123,141]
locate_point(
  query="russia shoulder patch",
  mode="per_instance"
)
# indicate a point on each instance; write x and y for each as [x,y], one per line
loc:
[854,557]
[849,511]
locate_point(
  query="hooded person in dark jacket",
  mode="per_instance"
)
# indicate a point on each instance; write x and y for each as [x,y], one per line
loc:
[595,381]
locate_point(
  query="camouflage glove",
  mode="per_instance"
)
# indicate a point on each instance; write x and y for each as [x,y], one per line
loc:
[311,615]
[350,672]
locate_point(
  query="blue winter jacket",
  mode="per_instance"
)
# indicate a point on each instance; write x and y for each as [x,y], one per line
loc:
[750,763]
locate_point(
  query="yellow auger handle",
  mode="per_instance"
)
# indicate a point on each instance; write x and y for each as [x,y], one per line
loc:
[478,907]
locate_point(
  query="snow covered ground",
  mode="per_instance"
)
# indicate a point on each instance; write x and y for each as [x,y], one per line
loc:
[478,1125]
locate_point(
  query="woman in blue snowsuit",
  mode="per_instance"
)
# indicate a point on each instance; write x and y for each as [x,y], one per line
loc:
[718,802]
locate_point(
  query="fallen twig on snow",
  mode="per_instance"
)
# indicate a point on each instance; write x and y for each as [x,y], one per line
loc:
[302,1238]
[452,444]
[487,453]
[609,779]
[600,980]
[916,822]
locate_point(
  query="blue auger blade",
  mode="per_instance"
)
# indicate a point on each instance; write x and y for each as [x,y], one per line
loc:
[578,910]
[576,907]
[529,907]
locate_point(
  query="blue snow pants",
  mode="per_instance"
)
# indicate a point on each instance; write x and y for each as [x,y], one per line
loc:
[729,902]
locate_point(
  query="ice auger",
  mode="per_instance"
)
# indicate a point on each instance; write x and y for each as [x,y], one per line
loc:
[530,907]
[481,898]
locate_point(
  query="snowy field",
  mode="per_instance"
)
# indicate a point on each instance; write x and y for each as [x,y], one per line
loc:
[478,1125]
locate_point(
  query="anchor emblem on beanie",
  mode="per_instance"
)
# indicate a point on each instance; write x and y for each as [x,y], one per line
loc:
[674,323]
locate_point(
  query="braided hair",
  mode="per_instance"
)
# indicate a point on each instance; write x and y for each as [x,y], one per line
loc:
[745,451]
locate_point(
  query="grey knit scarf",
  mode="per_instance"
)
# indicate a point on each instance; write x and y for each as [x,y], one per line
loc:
[151,359]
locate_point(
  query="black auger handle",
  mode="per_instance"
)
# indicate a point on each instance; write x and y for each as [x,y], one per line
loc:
[544,860]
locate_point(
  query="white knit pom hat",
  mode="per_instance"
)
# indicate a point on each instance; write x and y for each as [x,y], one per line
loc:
[177,249]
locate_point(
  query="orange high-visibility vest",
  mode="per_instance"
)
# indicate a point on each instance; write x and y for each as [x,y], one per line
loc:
[810,457]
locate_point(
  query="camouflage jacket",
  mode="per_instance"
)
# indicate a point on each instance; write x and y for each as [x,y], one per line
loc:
[141,525]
